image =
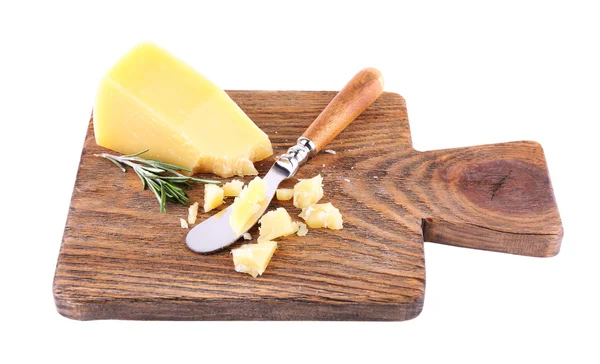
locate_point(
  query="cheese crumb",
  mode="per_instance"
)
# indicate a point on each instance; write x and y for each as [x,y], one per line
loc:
[322,216]
[302,229]
[247,204]
[213,197]
[233,188]
[346,179]
[184,224]
[308,191]
[329,151]
[275,224]
[253,258]
[192,213]
[247,236]
[284,194]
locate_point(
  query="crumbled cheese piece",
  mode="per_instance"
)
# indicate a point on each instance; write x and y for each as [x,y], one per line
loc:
[247,236]
[253,258]
[375,177]
[284,194]
[329,151]
[213,196]
[247,204]
[192,213]
[322,215]
[276,223]
[308,191]
[346,179]
[233,188]
[183,223]
[302,229]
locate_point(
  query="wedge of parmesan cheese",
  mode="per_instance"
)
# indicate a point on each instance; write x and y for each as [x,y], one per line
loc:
[152,100]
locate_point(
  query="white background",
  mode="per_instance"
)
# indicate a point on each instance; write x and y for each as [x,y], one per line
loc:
[471,74]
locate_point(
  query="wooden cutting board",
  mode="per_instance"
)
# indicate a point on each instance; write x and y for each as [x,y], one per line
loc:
[122,259]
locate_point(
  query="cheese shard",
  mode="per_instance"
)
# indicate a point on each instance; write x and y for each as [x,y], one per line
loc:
[213,197]
[284,194]
[192,213]
[152,100]
[322,215]
[233,188]
[302,229]
[308,191]
[253,258]
[247,204]
[276,223]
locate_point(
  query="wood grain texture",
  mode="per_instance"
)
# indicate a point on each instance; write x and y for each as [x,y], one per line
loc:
[122,259]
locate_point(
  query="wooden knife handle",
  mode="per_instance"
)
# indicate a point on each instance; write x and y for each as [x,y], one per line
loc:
[355,97]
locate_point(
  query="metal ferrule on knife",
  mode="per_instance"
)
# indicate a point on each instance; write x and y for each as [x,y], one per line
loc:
[297,155]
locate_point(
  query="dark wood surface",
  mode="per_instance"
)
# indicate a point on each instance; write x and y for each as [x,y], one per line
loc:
[122,259]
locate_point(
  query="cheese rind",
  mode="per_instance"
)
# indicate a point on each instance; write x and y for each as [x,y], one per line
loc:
[308,191]
[247,204]
[322,215]
[253,258]
[152,100]
[276,223]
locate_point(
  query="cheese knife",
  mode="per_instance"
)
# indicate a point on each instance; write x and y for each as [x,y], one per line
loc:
[365,87]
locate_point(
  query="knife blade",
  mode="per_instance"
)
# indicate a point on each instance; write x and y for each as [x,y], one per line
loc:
[363,89]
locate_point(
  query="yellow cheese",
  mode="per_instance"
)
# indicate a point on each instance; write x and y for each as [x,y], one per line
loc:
[302,229]
[253,258]
[233,188]
[322,215]
[183,223]
[152,100]
[213,197]
[308,192]
[276,223]
[284,194]
[192,213]
[247,204]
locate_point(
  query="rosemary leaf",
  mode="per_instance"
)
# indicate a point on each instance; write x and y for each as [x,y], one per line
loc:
[163,179]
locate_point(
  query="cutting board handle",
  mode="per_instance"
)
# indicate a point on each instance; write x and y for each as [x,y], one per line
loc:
[355,97]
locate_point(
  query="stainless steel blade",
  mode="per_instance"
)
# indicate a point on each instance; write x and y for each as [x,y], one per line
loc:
[216,233]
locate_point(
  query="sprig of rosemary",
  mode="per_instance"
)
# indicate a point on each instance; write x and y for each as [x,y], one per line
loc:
[161,178]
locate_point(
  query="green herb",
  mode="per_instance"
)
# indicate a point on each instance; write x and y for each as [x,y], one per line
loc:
[161,178]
